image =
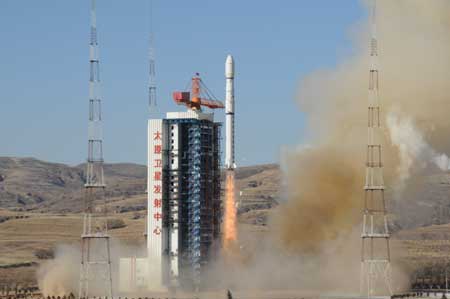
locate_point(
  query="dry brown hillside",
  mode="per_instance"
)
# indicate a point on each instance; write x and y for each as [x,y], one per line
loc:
[29,184]
[40,204]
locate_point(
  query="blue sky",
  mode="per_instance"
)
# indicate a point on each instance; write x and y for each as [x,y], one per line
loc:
[44,69]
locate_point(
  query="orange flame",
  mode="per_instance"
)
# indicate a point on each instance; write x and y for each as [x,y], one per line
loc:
[230,231]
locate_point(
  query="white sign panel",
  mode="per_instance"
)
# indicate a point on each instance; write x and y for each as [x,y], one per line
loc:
[154,190]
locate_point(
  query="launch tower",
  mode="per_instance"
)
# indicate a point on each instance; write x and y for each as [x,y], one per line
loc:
[375,251]
[184,211]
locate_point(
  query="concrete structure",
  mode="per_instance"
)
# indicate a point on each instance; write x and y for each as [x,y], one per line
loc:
[184,208]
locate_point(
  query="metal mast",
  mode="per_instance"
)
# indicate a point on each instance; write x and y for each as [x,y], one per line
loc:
[375,251]
[95,274]
[152,107]
[152,76]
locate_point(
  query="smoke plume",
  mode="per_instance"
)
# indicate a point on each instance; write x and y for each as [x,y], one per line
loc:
[414,151]
[325,180]
[60,276]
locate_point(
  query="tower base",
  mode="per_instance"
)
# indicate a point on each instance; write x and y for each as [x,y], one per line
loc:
[375,275]
[95,272]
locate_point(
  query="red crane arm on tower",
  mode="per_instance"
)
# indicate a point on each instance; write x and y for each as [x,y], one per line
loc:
[194,99]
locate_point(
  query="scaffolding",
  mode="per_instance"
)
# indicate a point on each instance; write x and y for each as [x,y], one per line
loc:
[193,206]
[375,250]
[193,200]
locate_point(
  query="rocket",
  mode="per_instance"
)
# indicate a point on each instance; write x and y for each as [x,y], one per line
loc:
[229,114]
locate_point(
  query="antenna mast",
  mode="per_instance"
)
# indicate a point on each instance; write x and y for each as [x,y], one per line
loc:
[152,77]
[95,274]
[375,249]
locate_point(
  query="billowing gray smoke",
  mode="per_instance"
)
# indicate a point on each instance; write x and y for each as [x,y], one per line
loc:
[61,275]
[325,180]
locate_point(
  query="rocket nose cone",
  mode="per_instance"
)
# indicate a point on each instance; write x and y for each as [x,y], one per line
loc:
[229,67]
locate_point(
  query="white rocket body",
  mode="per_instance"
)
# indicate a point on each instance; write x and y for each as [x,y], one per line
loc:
[229,114]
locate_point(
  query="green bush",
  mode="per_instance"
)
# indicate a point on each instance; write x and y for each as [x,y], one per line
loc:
[44,254]
[114,223]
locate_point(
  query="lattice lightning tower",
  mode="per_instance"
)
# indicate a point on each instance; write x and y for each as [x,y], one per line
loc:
[152,76]
[95,273]
[375,251]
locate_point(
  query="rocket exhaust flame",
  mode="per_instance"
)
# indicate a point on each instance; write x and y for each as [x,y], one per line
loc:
[230,231]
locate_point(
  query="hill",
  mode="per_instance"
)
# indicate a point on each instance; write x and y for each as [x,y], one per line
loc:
[28,184]
[40,204]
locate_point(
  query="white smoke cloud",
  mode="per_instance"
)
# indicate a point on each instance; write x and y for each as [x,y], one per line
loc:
[414,151]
